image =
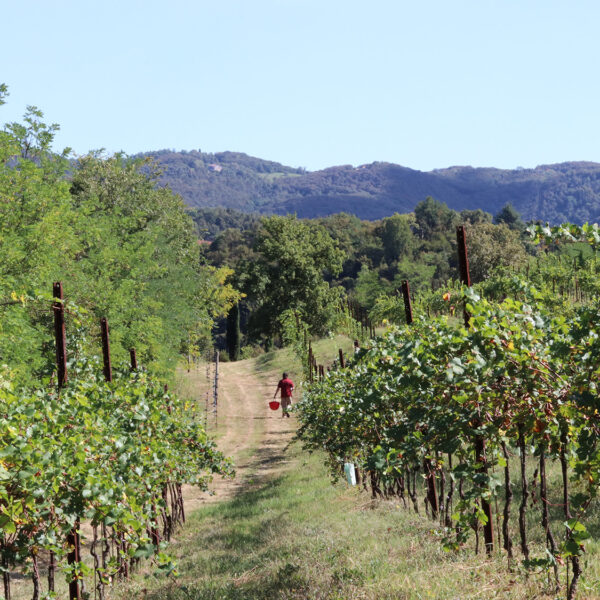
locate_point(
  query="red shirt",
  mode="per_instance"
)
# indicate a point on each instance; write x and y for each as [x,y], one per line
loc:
[286,386]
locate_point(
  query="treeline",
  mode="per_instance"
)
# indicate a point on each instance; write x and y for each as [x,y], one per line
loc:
[284,264]
[554,193]
[230,179]
[124,249]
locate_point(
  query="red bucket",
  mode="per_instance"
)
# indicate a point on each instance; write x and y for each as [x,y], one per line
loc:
[273,405]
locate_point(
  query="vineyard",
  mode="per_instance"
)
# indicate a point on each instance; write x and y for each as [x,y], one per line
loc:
[475,406]
[450,412]
[93,455]
[102,448]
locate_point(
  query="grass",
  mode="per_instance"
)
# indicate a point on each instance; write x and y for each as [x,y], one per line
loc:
[326,351]
[296,536]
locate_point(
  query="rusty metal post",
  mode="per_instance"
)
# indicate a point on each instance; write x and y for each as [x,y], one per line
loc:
[59,334]
[342,362]
[430,477]
[61,366]
[216,387]
[407,302]
[106,349]
[133,358]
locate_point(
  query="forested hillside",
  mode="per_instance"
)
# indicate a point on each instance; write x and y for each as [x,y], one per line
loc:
[555,193]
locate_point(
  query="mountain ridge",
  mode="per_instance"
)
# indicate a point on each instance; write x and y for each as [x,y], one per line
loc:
[568,191]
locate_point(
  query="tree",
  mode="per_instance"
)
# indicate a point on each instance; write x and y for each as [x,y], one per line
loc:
[292,260]
[124,249]
[472,217]
[396,237]
[139,263]
[492,246]
[233,336]
[369,286]
[433,217]
[510,217]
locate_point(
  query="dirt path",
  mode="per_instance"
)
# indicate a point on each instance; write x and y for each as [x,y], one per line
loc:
[247,430]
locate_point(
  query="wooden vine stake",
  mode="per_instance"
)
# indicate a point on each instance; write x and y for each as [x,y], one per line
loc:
[407,302]
[432,495]
[73,542]
[58,309]
[463,262]
[133,359]
[106,349]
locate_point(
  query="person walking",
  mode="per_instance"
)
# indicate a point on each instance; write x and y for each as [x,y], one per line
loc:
[286,385]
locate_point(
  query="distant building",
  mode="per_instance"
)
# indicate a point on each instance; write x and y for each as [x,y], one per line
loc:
[216,168]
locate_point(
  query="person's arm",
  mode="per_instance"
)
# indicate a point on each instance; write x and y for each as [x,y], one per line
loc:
[278,386]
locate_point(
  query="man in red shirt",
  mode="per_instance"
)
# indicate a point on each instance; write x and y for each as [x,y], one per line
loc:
[286,386]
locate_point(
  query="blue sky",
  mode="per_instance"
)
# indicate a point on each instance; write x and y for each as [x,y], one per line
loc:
[313,83]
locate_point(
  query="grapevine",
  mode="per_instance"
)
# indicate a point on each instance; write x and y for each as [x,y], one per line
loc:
[458,407]
[112,454]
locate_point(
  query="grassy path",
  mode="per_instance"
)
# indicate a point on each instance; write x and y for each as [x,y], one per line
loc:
[280,530]
[247,430]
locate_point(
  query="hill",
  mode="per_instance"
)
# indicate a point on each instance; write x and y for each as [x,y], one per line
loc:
[556,193]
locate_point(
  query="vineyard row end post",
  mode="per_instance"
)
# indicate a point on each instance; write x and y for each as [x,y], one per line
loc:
[480,457]
[58,309]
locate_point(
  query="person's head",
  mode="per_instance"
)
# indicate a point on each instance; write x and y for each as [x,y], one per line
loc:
[285,375]
[356,344]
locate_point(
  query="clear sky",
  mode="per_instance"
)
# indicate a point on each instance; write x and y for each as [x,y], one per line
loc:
[313,83]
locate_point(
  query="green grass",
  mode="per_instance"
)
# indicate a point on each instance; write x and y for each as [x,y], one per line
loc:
[326,351]
[296,536]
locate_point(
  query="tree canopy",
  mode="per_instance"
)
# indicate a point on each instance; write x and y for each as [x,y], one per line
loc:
[291,261]
[123,247]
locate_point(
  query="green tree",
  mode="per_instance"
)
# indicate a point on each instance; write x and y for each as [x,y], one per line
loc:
[369,286]
[472,217]
[434,218]
[396,237]
[123,248]
[293,257]
[233,335]
[491,246]
[510,217]
[140,261]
